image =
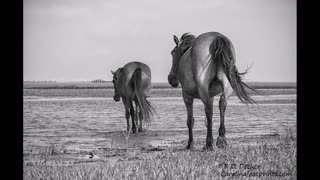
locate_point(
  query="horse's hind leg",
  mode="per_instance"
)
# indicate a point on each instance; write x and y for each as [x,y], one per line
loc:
[140,122]
[127,109]
[221,140]
[208,105]
[209,113]
[139,117]
[190,120]
[132,113]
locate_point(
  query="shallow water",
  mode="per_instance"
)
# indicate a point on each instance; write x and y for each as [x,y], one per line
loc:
[91,122]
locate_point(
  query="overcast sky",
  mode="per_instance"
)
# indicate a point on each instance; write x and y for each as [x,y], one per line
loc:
[80,40]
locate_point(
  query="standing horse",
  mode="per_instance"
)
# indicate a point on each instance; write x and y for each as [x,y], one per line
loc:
[133,83]
[205,67]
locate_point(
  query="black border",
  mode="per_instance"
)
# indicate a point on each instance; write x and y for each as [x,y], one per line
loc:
[306,90]
[307,78]
[12,132]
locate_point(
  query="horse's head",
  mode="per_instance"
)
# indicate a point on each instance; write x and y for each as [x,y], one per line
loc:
[178,51]
[115,81]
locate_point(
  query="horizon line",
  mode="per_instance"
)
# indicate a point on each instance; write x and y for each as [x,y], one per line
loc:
[66,81]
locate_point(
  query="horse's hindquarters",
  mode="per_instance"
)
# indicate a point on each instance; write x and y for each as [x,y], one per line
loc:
[145,83]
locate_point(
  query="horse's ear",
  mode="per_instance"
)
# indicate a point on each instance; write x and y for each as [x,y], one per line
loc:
[176,40]
[112,72]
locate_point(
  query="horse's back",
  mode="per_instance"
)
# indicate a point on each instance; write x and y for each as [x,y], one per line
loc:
[132,66]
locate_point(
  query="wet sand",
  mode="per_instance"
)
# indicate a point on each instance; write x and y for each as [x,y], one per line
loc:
[91,129]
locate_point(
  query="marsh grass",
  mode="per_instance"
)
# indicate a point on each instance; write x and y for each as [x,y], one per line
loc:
[176,165]
[126,135]
[266,157]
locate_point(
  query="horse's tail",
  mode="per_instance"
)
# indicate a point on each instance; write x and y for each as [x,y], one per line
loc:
[224,57]
[145,106]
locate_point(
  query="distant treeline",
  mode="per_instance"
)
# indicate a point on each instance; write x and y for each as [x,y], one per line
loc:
[94,81]
[99,81]
[69,87]
[39,81]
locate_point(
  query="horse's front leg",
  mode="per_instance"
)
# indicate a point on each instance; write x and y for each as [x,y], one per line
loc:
[221,140]
[132,113]
[188,100]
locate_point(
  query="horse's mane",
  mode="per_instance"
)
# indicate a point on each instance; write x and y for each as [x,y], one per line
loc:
[187,37]
[187,41]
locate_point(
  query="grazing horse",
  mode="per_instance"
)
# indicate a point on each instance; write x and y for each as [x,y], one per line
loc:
[205,67]
[132,83]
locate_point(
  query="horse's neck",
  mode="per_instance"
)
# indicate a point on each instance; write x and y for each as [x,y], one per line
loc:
[121,84]
[184,56]
[187,51]
[184,64]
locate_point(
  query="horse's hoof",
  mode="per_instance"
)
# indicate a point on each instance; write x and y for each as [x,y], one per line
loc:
[190,146]
[207,148]
[134,131]
[221,142]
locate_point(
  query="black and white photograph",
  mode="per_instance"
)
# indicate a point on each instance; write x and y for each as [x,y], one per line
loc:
[159,89]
